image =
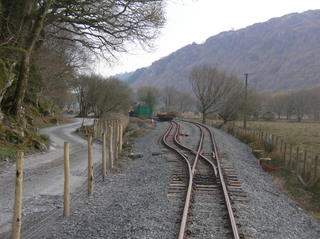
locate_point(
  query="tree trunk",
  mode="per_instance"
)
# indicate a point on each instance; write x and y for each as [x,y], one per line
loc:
[299,118]
[204,117]
[21,85]
[22,81]
[6,77]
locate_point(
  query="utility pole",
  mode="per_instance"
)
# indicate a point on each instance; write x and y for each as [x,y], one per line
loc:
[245,102]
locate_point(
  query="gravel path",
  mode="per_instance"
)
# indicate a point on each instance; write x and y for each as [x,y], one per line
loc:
[43,174]
[131,203]
[272,214]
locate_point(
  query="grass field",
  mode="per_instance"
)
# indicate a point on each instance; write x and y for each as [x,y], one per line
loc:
[306,135]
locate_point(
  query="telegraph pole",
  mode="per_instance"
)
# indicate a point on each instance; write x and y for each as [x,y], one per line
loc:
[245,102]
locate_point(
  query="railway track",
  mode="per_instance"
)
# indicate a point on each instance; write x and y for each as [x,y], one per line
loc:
[203,187]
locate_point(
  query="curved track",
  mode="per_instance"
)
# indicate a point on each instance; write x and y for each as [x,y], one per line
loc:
[206,190]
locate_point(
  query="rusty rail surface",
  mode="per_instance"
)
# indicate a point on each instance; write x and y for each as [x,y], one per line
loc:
[189,190]
[192,168]
[224,187]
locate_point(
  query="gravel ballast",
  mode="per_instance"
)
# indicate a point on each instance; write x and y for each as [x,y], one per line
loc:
[271,213]
[132,202]
[129,204]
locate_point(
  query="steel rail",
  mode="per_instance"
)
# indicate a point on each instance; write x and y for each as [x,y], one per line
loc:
[202,156]
[190,171]
[225,191]
[188,197]
[187,202]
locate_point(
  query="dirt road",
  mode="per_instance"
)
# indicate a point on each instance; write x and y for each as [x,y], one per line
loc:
[43,178]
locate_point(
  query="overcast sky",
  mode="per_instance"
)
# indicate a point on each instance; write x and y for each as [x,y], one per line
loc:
[191,21]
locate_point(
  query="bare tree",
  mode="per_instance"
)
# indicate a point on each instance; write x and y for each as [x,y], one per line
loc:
[232,103]
[148,95]
[168,97]
[106,26]
[278,103]
[174,100]
[315,102]
[184,102]
[301,103]
[209,86]
[115,96]
[103,27]
[100,96]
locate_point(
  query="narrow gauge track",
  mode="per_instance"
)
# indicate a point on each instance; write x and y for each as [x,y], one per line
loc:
[206,190]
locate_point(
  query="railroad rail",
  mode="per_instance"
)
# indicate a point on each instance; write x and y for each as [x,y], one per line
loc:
[204,179]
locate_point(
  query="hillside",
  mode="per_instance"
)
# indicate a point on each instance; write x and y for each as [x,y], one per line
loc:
[280,54]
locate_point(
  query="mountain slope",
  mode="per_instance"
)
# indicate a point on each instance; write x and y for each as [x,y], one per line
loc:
[280,54]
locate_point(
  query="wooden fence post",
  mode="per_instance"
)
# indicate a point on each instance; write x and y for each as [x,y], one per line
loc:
[104,156]
[315,173]
[107,135]
[297,161]
[284,153]
[90,166]
[290,158]
[304,163]
[95,124]
[110,143]
[120,137]
[116,133]
[16,226]
[66,205]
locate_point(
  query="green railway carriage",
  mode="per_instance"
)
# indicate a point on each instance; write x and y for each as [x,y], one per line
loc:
[142,110]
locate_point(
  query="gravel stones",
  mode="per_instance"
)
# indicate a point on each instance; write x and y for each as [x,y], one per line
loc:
[129,204]
[271,213]
[132,203]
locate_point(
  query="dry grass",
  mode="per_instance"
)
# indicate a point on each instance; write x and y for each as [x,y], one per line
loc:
[306,135]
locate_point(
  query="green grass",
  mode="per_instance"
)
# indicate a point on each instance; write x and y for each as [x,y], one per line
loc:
[7,152]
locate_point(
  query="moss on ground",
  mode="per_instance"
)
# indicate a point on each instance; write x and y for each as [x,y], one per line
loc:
[13,137]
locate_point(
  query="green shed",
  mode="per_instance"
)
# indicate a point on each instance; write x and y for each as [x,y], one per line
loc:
[142,110]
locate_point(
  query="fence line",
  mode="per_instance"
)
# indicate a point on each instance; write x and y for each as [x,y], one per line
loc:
[109,131]
[302,163]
